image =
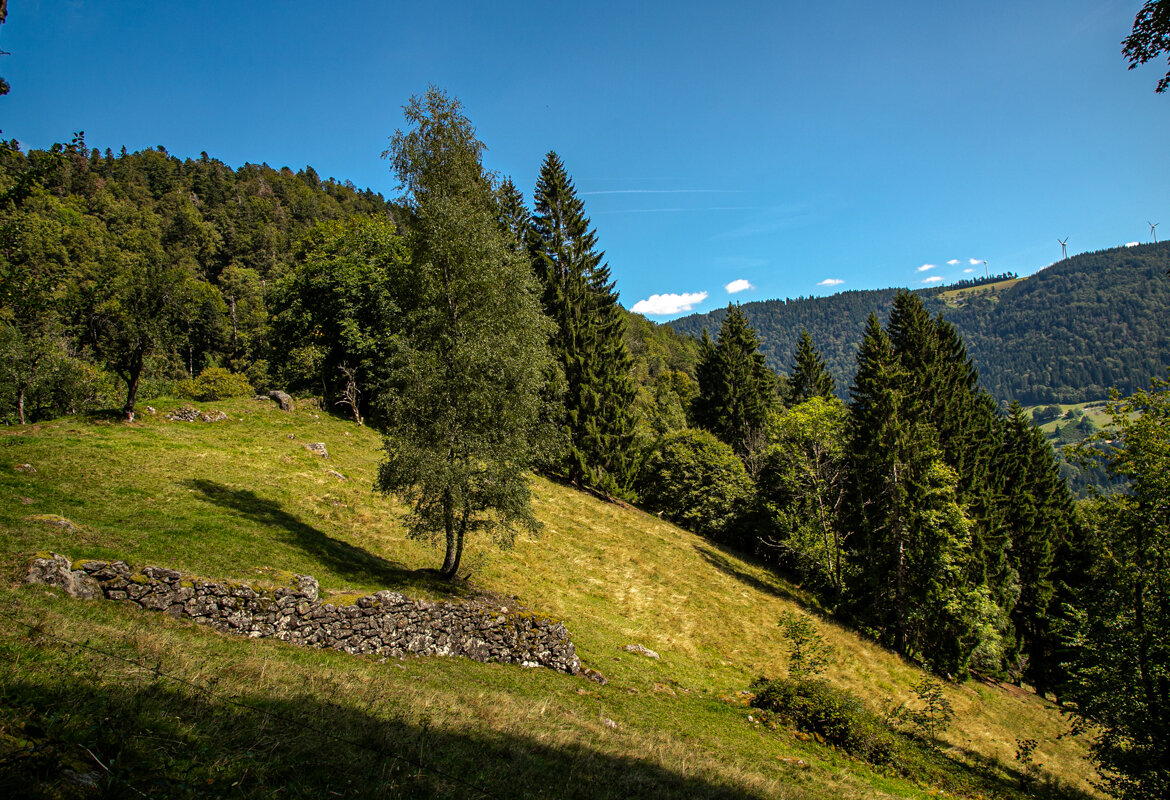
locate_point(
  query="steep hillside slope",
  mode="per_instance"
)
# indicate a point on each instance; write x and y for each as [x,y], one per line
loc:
[88,686]
[1066,334]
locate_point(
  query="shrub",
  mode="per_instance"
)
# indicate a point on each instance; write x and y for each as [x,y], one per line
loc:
[839,718]
[697,482]
[808,652]
[214,383]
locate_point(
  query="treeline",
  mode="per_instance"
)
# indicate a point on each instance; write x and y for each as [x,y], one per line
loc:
[1067,334]
[146,270]
[918,509]
[940,525]
[117,268]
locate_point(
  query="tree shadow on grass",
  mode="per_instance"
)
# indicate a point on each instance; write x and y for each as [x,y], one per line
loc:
[171,740]
[349,561]
[719,557]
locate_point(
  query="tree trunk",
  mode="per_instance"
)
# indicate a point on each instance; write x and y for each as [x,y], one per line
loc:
[454,546]
[20,405]
[133,374]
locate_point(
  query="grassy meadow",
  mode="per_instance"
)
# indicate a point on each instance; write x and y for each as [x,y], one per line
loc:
[157,707]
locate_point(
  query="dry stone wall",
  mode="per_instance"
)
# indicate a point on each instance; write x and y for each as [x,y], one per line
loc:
[385,623]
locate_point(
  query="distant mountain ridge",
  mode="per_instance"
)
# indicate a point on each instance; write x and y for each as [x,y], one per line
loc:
[1069,333]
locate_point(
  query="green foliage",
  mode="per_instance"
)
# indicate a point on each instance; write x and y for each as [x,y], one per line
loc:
[697,482]
[816,706]
[1040,516]
[1029,769]
[464,391]
[736,389]
[914,556]
[143,263]
[801,487]
[934,712]
[1119,637]
[589,341]
[336,311]
[808,378]
[1150,37]
[214,383]
[808,651]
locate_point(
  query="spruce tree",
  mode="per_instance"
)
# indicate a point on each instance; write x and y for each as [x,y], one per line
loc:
[1041,520]
[911,540]
[943,387]
[578,295]
[514,217]
[809,377]
[736,388]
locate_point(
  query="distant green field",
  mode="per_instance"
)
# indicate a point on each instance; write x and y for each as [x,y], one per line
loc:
[956,298]
[1094,410]
[243,499]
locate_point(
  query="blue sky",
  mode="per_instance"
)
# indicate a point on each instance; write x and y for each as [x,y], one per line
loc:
[794,148]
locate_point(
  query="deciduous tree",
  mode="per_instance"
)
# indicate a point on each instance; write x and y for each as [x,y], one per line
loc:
[462,430]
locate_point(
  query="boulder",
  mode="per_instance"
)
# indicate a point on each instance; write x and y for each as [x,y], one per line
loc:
[56,570]
[640,650]
[286,402]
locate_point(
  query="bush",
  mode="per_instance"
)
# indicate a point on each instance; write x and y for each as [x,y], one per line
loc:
[214,383]
[839,718]
[697,482]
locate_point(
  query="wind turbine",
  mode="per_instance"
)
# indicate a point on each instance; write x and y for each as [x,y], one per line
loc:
[1153,232]
[1063,248]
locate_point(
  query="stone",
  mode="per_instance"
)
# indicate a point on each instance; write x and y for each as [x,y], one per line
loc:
[25,468]
[56,570]
[286,402]
[594,676]
[318,448]
[215,416]
[184,413]
[335,474]
[53,520]
[640,650]
[382,623]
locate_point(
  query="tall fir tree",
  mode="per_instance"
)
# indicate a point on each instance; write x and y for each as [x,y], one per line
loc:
[579,296]
[736,388]
[944,385]
[1040,515]
[911,545]
[809,377]
[514,217]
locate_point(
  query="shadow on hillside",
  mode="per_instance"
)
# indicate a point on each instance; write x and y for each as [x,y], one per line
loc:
[347,560]
[172,741]
[718,557]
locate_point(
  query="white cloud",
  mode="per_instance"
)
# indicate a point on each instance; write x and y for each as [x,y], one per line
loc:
[925,267]
[1132,244]
[658,304]
[831,282]
[952,262]
[974,261]
[968,270]
[933,279]
[739,285]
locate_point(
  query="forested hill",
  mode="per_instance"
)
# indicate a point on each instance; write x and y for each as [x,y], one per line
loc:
[1066,334]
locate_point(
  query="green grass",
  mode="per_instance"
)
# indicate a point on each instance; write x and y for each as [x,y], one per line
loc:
[1094,410]
[957,298]
[241,500]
